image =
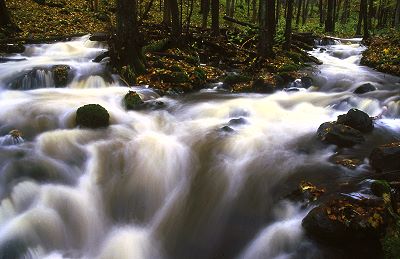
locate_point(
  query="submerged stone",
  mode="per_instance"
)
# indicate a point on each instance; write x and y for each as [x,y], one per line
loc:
[386,157]
[14,137]
[339,134]
[92,116]
[365,88]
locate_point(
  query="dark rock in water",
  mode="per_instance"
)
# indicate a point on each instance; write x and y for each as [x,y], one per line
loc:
[261,86]
[365,88]
[280,82]
[339,134]
[237,121]
[386,157]
[12,48]
[132,101]
[322,49]
[356,119]
[92,116]
[227,129]
[306,82]
[100,57]
[174,77]
[306,193]
[99,36]
[60,74]
[292,89]
[13,248]
[348,223]
[14,137]
[4,60]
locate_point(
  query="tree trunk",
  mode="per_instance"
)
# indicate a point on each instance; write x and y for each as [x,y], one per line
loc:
[306,5]
[215,17]
[267,28]
[346,12]
[370,13]
[360,18]
[5,20]
[232,8]
[321,12]
[254,17]
[205,11]
[128,44]
[176,24]
[299,2]
[167,13]
[365,18]
[288,25]
[278,11]
[329,26]
[189,15]
[397,15]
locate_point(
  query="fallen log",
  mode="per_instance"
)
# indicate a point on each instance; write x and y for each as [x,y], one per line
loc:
[46,39]
[230,19]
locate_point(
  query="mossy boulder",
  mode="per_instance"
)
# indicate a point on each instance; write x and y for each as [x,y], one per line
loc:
[92,116]
[132,101]
[174,77]
[12,48]
[234,78]
[60,75]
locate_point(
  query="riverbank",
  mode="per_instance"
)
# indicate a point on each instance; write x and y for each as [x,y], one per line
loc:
[383,53]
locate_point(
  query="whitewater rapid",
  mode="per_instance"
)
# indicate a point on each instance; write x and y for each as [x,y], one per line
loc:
[174,182]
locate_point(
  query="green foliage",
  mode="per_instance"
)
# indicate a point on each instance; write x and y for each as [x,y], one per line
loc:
[380,187]
[157,46]
[128,74]
[236,78]
[391,244]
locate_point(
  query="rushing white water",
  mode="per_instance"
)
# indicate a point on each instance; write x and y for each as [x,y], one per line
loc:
[175,182]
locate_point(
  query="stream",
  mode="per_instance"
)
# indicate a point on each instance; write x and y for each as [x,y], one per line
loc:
[174,182]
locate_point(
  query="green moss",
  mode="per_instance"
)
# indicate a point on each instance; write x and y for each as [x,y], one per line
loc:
[157,46]
[60,74]
[391,245]
[289,68]
[380,187]
[132,100]
[92,116]
[236,79]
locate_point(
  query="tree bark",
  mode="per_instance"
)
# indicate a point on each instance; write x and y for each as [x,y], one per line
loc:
[321,12]
[128,42]
[254,17]
[360,18]
[346,12]
[397,15]
[167,13]
[299,3]
[176,24]
[215,17]
[267,28]
[5,20]
[365,18]
[288,25]
[329,22]
[205,11]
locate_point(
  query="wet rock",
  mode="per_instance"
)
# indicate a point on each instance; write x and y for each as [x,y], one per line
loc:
[347,222]
[102,56]
[227,129]
[365,88]
[174,77]
[132,101]
[306,193]
[261,86]
[339,134]
[4,60]
[237,121]
[12,48]
[351,163]
[306,81]
[60,75]
[92,116]
[99,36]
[386,157]
[356,119]
[14,137]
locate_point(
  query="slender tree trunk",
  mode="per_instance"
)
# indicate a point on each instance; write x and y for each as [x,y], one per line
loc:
[299,3]
[167,13]
[337,11]
[176,25]
[334,14]
[278,11]
[346,12]
[306,5]
[189,16]
[397,15]
[206,10]
[370,13]
[267,28]
[227,7]
[215,17]
[360,19]
[288,25]
[232,8]
[254,17]
[128,42]
[365,18]
[329,22]
[5,20]
[321,12]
